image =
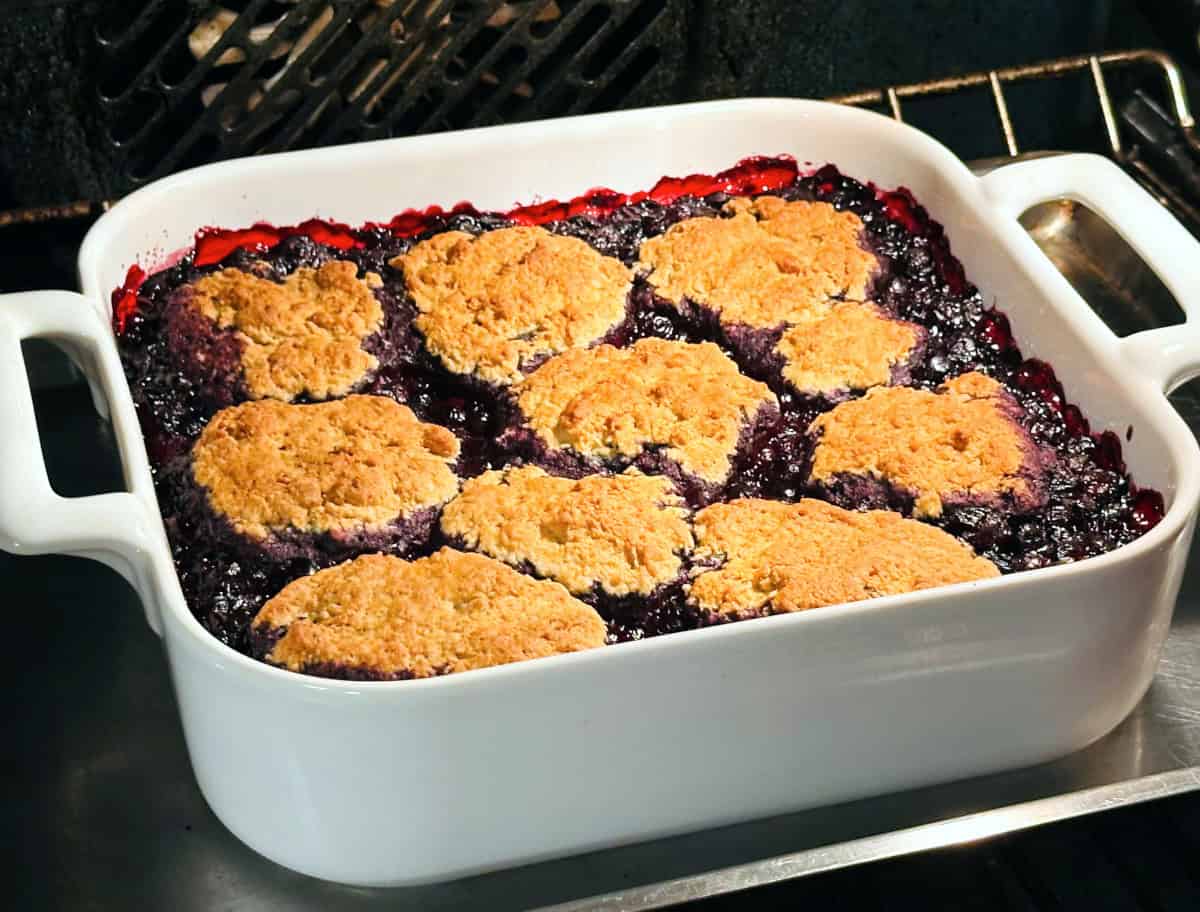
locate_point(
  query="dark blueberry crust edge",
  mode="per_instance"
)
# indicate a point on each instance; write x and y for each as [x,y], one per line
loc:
[628,617]
[193,516]
[523,447]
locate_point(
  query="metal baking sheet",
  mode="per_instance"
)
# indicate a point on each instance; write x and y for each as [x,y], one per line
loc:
[102,804]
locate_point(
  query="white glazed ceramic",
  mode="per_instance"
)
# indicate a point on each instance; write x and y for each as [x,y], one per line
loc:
[404,782]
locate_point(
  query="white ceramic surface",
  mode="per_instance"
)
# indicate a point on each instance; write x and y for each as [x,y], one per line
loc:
[405,782]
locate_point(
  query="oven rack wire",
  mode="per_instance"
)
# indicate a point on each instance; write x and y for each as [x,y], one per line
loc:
[1154,64]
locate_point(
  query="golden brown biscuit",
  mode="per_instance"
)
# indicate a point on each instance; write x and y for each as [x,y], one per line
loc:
[605,402]
[782,557]
[303,336]
[771,263]
[962,441]
[853,346]
[362,461]
[623,533]
[489,304]
[444,613]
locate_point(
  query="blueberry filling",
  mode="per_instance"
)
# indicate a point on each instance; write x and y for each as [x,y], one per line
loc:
[1090,505]
[635,617]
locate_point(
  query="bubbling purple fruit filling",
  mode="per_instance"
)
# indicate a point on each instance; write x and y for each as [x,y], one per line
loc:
[1087,504]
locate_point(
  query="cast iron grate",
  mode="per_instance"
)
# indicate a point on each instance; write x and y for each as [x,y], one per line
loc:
[182,84]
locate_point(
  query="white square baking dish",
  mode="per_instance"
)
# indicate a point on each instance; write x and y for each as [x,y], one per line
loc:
[412,781]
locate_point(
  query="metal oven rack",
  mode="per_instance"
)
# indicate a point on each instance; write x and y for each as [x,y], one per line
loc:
[1093,66]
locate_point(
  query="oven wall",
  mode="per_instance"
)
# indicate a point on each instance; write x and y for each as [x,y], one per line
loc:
[59,146]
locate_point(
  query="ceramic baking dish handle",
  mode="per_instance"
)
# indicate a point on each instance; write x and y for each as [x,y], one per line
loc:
[1169,355]
[112,528]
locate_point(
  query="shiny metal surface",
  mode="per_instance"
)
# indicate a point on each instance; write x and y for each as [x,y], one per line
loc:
[1168,72]
[1106,271]
[1149,61]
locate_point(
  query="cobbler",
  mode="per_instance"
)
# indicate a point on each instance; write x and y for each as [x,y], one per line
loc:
[460,439]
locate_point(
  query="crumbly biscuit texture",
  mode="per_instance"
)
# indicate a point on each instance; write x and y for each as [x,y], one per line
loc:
[606,402]
[303,336]
[964,440]
[854,346]
[361,461]
[490,304]
[781,557]
[622,533]
[772,262]
[449,612]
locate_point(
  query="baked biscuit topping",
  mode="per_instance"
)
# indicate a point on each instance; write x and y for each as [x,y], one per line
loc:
[303,336]
[520,343]
[624,533]
[963,440]
[444,613]
[782,557]
[356,462]
[854,346]
[606,402]
[772,262]
[490,304]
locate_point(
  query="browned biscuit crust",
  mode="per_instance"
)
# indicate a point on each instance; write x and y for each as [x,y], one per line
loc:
[773,262]
[624,533]
[490,304]
[301,337]
[781,557]
[356,462]
[448,612]
[853,346]
[606,401]
[962,441]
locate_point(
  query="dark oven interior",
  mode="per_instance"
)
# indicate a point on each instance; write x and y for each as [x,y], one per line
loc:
[101,97]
